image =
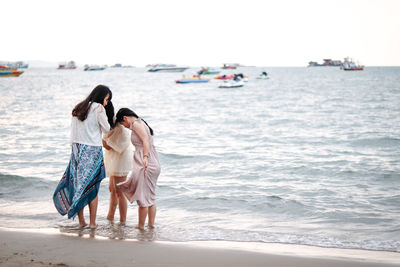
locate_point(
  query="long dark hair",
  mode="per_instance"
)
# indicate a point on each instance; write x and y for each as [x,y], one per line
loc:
[97,95]
[129,113]
[110,114]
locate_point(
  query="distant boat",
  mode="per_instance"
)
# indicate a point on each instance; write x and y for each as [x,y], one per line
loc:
[168,69]
[92,68]
[17,65]
[194,79]
[229,66]
[348,64]
[67,66]
[205,71]
[9,72]
[327,63]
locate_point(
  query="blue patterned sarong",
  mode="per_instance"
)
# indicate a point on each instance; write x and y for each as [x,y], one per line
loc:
[81,181]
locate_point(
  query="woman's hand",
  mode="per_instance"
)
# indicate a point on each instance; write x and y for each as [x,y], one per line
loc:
[105,145]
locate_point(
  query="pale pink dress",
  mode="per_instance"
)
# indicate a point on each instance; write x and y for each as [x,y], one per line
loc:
[141,183]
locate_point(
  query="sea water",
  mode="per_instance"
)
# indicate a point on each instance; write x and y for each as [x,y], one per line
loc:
[310,156]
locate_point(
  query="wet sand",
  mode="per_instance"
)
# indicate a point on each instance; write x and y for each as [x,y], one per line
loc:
[30,248]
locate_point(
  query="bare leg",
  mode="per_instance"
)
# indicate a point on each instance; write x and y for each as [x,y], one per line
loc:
[113,199]
[81,218]
[152,215]
[142,213]
[122,202]
[93,212]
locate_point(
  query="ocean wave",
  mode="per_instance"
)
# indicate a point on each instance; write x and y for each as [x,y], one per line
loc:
[20,188]
[377,142]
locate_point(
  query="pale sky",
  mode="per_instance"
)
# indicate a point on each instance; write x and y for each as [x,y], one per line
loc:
[201,33]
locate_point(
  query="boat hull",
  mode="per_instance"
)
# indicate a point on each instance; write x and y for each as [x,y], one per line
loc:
[192,81]
[231,86]
[172,69]
[93,69]
[353,69]
[10,73]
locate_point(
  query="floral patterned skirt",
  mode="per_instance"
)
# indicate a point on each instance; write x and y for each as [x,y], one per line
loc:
[81,181]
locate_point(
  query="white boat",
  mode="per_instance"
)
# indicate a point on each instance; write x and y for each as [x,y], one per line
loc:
[168,69]
[348,64]
[232,84]
[93,67]
[17,65]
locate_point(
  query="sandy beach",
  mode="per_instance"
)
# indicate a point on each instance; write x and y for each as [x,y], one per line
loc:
[29,248]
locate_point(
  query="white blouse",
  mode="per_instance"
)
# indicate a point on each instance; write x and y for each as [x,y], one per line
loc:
[89,131]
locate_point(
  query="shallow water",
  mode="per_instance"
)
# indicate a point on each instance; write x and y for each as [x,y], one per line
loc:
[310,156]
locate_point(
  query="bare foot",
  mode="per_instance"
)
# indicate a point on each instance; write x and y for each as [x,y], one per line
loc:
[93,226]
[82,225]
[110,218]
[151,226]
[138,227]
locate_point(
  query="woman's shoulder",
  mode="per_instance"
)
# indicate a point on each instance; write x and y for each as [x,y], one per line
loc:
[97,107]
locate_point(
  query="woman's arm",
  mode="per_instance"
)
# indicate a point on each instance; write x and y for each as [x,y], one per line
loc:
[140,130]
[102,119]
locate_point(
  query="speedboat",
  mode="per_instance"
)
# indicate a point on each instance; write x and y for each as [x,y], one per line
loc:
[232,84]
[93,67]
[193,79]
[168,69]
[9,72]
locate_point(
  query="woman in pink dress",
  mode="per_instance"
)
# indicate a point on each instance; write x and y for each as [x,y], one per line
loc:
[141,184]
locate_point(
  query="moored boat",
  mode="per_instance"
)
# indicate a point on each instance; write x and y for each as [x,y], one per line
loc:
[16,65]
[93,68]
[168,69]
[67,65]
[9,72]
[230,66]
[193,79]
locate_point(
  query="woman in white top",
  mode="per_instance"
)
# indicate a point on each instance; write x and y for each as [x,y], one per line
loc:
[118,161]
[80,183]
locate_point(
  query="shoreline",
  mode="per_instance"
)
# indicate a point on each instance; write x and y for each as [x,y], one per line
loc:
[48,247]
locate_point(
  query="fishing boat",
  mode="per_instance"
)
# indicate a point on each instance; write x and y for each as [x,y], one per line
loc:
[67,65]
[193,79]
[92,68]
[349,64]
[168,69]
[9,72]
